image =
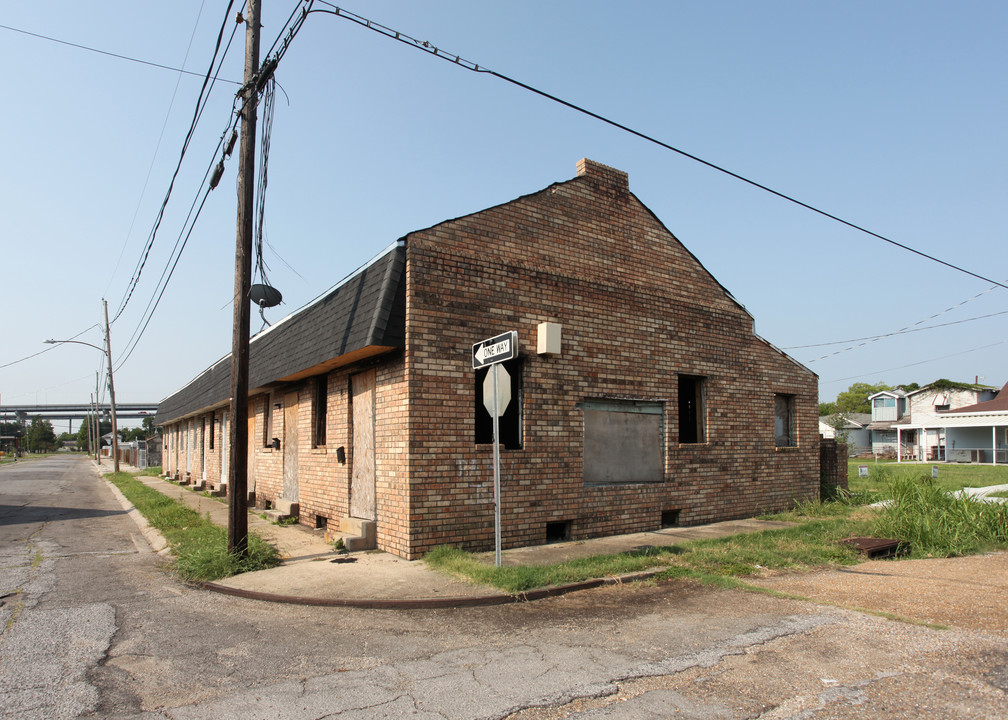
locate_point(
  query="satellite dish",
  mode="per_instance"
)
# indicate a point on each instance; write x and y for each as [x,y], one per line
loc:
[265,296]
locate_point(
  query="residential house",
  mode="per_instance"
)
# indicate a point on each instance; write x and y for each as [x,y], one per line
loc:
[641,396]
[855,428]
[912,425]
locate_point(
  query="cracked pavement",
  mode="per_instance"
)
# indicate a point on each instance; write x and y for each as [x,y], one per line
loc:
[94,627]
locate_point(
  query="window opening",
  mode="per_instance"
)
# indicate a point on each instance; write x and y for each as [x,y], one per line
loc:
[319,411]
[510,423]
[784,420]
[692,410]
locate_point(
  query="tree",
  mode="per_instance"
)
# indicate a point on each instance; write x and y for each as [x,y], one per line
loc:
[855,398]
[838,421]
[85,428]
[41,437]
[148,425]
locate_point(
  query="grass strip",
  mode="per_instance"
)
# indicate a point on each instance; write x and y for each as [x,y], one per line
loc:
[812,543]
[199,546]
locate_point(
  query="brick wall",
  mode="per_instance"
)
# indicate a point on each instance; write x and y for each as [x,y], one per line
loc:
[832,468]
[637,310]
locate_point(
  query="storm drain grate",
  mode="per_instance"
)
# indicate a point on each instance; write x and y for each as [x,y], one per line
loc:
[875,547]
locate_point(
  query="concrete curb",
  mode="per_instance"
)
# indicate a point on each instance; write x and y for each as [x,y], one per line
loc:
[157,542]
[426,603]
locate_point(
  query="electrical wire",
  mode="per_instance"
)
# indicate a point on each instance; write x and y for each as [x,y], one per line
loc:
[922,362]
[263,78]
[197,113]
[430,49]
[157,147]
[51,347]
[111,54]
[872,338]
[909,328]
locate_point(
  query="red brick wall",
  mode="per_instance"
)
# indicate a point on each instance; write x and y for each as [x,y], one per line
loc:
[636,309]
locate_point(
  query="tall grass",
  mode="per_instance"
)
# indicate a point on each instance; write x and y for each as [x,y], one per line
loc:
[933,523]
[199,546]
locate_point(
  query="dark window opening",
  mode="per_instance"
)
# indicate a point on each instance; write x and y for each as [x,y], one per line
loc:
[319,405]
[266,441]
[558,531]
[213,428]
[670,518]
[784,435]
[510,423]
[692,410]
[320,522]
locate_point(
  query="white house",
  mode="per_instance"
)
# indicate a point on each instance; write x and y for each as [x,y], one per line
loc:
[939,422]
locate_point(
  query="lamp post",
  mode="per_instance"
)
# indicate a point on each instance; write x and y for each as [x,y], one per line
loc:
[108,356]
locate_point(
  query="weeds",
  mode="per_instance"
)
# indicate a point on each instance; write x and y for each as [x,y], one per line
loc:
[933,523]
[199,546]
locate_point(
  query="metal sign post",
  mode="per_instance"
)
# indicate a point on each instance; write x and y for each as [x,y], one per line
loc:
[493,352]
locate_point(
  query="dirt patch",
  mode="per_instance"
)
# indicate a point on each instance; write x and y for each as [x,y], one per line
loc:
[966,592]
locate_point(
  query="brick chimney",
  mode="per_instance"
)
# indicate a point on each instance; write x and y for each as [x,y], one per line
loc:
[603,173]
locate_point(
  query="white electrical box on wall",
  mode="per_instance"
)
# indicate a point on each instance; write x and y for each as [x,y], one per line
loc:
[549,339]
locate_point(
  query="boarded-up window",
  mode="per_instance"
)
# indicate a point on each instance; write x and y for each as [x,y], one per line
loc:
[623,442]
[784,420]
[692,410]
[510,424]
[319,404]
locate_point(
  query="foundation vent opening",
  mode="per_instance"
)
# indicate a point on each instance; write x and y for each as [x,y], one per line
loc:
[558,531]
[670,518]
[321,522]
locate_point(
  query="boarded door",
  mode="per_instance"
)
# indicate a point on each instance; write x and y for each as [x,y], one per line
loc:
[290,448]
[250,457]
[224,444]
[362,484]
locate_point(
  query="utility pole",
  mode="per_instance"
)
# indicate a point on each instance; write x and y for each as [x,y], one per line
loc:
[111,387]
[97,422]
[238,432]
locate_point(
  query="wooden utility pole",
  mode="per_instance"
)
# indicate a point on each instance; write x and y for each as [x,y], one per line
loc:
[111,387]
[238,432]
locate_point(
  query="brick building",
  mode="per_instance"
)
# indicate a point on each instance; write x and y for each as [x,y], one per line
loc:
[660,406]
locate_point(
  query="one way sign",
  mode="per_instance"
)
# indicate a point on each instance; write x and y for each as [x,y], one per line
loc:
[496,349]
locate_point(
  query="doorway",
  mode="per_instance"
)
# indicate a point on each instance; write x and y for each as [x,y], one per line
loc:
[362,477]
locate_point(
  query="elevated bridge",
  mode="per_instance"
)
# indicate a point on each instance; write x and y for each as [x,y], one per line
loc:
[22,413]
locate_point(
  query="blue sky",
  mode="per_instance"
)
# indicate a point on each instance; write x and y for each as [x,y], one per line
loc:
[890,115]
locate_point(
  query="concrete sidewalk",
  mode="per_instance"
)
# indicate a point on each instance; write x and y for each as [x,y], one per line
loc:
[313,573]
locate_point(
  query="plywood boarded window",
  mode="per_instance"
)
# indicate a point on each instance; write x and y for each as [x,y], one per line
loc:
[319,409]
[623,442]
[510,424]
[692,409]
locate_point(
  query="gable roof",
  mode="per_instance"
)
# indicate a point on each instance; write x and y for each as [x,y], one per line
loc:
[362,316]
[998,404]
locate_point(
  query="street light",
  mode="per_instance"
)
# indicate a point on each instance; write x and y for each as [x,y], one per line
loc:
[108,355]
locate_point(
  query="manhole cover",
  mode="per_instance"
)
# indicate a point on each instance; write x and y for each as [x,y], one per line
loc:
[874,547]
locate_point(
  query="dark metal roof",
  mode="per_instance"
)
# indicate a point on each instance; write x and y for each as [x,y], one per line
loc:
[366,311]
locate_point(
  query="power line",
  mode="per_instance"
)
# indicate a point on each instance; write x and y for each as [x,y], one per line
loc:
[110,54]
[263,80]
[922,362]
[200,105]
[909,328]
[51,347]
[157,147]
[430,49]
[872,338]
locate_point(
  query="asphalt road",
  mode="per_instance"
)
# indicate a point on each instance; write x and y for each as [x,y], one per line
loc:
[93,626]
